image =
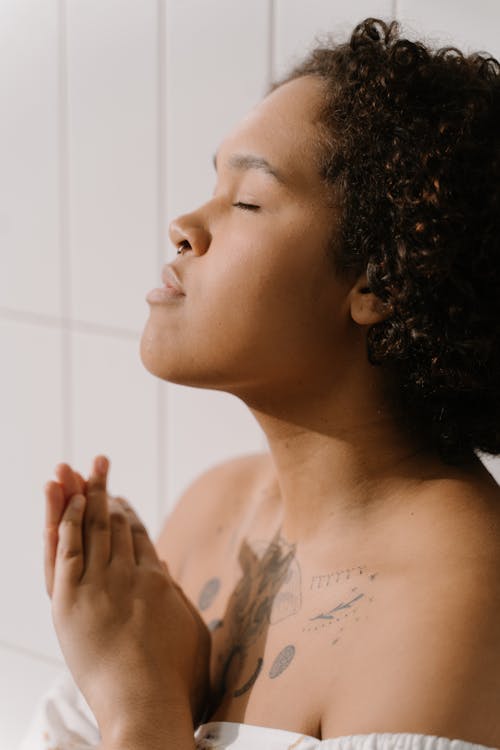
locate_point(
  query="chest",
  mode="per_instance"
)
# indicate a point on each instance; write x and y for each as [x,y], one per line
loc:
[320,650]
[281,629]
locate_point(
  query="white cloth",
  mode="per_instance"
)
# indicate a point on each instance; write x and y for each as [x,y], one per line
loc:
[225,735]
[64,721]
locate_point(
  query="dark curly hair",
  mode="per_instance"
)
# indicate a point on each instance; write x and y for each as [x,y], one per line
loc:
[409,148]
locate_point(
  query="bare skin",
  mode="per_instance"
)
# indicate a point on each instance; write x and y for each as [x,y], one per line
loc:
[350,549]
[339,620]
[348,628]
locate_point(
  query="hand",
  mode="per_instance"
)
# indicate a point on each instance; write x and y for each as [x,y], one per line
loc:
[131,638]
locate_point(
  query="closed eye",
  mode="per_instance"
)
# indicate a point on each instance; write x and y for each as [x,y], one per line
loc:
[246,206]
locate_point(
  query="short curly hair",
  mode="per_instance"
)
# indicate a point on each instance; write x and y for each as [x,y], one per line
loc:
[409,147]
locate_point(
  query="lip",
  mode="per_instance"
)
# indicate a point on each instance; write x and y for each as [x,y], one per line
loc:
[171,291]
[171,280]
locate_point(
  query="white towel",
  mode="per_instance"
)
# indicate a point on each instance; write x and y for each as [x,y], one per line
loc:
[62,719]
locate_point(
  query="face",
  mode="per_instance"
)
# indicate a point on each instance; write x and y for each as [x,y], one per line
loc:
[262,311]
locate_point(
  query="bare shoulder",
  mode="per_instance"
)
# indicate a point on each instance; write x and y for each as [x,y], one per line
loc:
[427,659]
[461,517]
[211,502]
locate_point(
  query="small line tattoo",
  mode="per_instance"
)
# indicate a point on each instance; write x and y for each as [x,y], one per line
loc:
[282,661]
[248,684]
[327,579]
[329,616]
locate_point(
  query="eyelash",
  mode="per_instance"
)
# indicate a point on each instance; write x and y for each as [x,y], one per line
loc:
[246,206]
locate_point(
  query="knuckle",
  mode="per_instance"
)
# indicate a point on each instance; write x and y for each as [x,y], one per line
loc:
[123,504]
[68,552]
[138,528]
[98,524]
[96,484]
[93,491]
[117,518]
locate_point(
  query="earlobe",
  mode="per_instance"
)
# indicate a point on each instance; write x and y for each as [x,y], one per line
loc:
[366,307]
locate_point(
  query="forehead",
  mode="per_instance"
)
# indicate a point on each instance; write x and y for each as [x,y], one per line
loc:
[282,129]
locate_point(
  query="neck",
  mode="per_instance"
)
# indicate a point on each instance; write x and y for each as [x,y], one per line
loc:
[339,464]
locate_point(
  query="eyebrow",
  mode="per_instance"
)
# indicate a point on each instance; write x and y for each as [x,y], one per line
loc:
[252,161]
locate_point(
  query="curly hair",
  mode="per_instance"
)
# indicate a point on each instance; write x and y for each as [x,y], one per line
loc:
[409,149]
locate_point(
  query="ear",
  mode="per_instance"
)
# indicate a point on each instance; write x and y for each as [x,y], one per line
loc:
[366,307]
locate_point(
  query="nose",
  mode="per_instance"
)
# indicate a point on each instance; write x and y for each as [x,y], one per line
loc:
[188,229]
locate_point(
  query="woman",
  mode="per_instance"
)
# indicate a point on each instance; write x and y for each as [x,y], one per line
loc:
[342,281]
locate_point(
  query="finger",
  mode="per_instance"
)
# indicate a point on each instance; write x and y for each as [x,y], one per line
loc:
[144,549]
[54,503]
[122,545]
[69,483]
[100,465]
[54,508]
[96,525]
[70,480]
[70,561]
[57,495]
[83,483]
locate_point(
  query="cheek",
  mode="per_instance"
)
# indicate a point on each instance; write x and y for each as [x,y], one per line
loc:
[253,286]
[265,308]
[273,264]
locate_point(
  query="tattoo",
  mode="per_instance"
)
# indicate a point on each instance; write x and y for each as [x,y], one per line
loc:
[248,612]
[248,684]
[323,581]
[288,599]
[282,661]
[208,593]
[328,615]
[230,661]
[214,624]
[345,608]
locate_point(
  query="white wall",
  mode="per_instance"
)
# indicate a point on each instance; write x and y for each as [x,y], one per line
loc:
[110,112]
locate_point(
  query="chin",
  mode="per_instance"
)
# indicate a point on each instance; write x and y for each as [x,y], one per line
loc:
[174,366]
[156,359]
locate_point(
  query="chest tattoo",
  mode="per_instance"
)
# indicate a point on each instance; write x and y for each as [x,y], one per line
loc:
[268,591]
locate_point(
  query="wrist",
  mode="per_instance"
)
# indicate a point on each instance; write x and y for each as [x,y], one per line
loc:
[172,728]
